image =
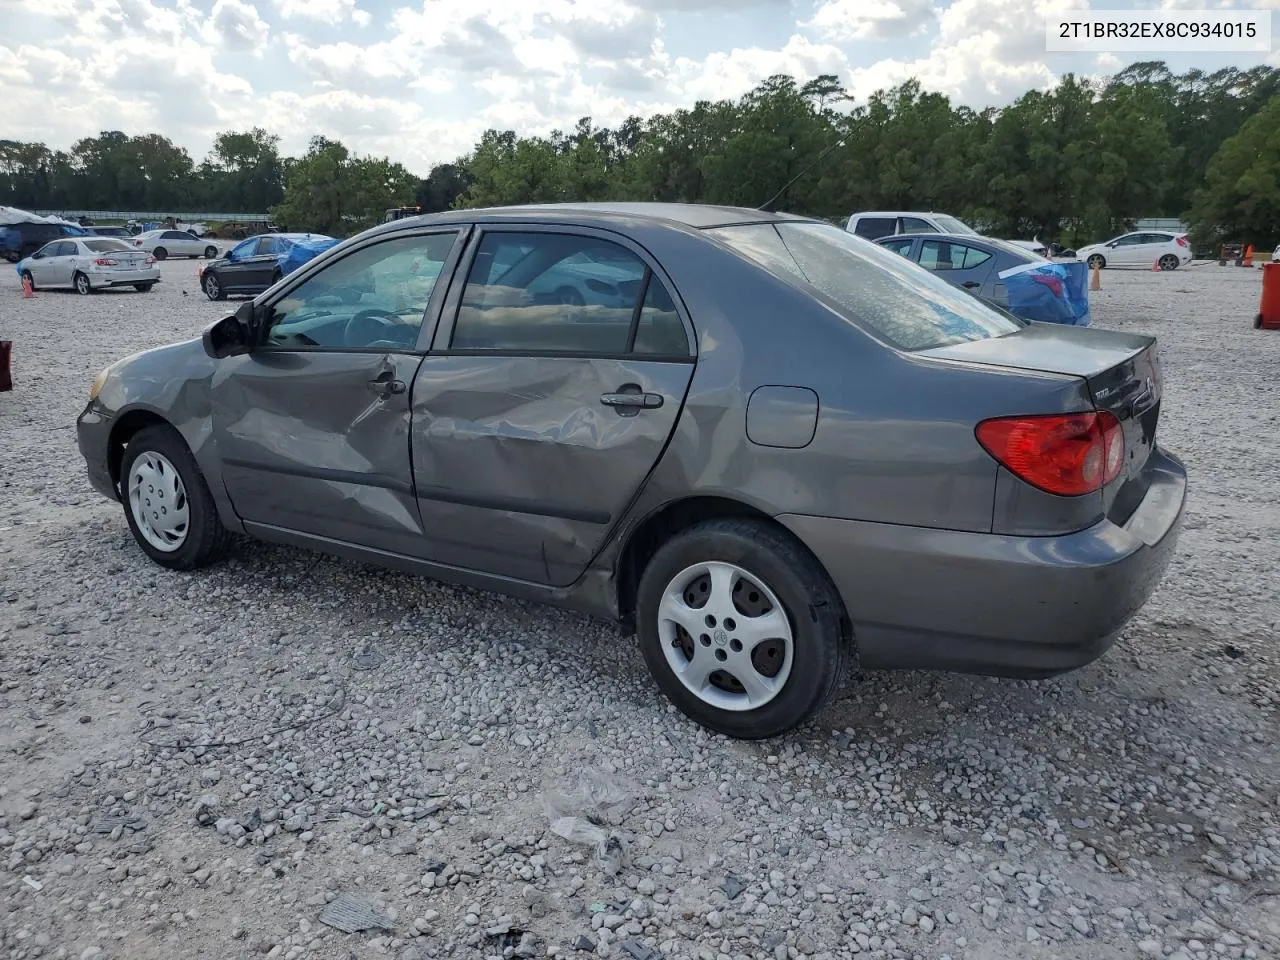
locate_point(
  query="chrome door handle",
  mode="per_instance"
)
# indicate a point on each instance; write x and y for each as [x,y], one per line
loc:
[647,401]
[386,386]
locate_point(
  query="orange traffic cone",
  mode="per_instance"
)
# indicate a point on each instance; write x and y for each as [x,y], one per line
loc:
[1155,267]
[1248,256]
[28,291]
[1095,278]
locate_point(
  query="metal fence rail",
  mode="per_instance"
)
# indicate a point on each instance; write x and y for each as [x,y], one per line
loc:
[150,215]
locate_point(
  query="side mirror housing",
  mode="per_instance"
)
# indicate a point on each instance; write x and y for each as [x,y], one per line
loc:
[234,335]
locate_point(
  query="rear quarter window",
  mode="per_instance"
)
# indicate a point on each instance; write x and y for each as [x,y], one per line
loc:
[882,292]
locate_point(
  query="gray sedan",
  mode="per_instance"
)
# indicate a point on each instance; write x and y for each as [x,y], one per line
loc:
[787,448]
[86,264]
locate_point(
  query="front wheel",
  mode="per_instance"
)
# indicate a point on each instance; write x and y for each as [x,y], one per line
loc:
[1169,262]
[167,503]
[1097,260]
[160,253]
[213,287]
[741,628]
[27,278]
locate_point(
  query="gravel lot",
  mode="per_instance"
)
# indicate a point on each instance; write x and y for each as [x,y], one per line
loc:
[194,766]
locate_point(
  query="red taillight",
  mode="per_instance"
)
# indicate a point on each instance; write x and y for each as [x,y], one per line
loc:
[1065,454]
[1050,281]
[1182,241]
[107,262]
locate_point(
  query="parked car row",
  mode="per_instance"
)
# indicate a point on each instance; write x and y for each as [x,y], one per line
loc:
[431,395]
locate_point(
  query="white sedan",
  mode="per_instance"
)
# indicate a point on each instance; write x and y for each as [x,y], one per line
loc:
[1147,248]
[87,264]
[163,244]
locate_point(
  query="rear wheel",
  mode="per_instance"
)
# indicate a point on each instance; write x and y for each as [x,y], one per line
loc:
[741,628]
[81,283]
[1097,260]
[167,502]
[160,253]
[210,252]
[144,287]
[1169,262]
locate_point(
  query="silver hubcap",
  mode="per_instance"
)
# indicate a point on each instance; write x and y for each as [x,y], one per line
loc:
[726,636]
[158,501]
[82,284]
[211,286]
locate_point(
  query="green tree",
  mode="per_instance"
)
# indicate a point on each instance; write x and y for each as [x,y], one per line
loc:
[333,192]
[1240,198]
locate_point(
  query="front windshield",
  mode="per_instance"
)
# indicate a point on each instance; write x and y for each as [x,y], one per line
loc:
[890,296]
[952,225]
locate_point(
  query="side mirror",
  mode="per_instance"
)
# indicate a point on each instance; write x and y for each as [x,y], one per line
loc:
[234,335]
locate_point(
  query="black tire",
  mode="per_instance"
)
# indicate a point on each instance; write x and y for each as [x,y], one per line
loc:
[144,287]
[1097,260]
[28,278]
[210,252]
[1169,262]
[212,286]
[207,540]
[813,608]
[160,253]
[81,284]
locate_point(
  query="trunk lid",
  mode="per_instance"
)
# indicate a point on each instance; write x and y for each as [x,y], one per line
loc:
[1123,374]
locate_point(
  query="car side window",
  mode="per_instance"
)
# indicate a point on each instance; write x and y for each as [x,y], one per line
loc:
[936,255]
[660,331]
[873,228]
[916,225]
[373,298]
[971,257]
[1156,238]
[267,245]
[64,248]
[558,293]
[901,247]
[1130,240]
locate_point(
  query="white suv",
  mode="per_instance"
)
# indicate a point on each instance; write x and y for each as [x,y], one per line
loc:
[873,226]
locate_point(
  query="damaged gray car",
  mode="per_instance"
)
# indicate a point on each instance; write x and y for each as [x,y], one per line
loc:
[766,444]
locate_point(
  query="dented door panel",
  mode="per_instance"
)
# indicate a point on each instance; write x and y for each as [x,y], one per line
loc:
[524,464]
[318,442]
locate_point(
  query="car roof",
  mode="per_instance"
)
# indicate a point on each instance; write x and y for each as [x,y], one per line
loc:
[697,215]
[899,213]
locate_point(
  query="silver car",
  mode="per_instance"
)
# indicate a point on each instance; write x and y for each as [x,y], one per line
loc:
[785,448]
[163,244]
[86,264]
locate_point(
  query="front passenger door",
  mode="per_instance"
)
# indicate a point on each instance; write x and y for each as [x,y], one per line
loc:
[556,378]
[312,426]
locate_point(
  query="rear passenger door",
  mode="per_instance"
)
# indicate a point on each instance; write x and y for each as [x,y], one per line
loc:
[965,266]
[551,390]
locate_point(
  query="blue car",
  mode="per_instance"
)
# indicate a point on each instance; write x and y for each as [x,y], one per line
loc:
[1023,282]
[253,265]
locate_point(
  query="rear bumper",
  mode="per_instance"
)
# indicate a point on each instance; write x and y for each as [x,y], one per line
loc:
[122,278]
[998,605]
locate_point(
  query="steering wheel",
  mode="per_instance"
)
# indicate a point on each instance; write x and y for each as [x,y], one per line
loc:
[370,326]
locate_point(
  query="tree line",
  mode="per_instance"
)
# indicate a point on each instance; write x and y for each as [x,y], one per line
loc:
[1075,163]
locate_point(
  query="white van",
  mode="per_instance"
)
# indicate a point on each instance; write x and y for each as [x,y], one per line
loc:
[873,226]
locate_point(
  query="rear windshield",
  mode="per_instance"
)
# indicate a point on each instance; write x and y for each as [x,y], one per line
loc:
[952,225]
[899,301]
[106,245]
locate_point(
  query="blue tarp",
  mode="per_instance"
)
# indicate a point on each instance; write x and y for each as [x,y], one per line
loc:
[304,249]
[1049,293]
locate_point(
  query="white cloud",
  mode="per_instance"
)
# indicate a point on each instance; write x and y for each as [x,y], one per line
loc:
[236,25]
[871,19]
[421,79]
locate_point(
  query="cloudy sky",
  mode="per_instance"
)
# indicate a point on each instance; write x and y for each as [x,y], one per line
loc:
[419,80]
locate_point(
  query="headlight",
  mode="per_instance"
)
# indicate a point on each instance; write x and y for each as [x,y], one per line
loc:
[97,383]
